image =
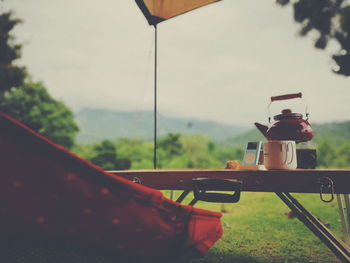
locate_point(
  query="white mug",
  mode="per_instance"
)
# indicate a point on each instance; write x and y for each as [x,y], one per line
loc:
[280,155]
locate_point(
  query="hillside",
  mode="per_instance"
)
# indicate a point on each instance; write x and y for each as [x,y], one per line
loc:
[339,130]
[98,124]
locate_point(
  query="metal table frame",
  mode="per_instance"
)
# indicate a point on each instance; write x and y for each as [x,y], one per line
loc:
[344,209]
[335,182]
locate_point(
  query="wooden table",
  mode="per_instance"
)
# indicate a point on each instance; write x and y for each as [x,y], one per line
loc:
[281,182]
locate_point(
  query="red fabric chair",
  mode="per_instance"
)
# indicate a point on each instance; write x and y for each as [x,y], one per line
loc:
[49,194]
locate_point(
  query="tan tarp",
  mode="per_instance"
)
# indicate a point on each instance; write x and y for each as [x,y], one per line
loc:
[169,8]
[157,11]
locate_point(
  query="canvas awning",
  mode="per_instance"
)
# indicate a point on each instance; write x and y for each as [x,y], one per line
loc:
[157,11]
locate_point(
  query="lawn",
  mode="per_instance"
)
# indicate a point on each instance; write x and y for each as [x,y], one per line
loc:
[257,229]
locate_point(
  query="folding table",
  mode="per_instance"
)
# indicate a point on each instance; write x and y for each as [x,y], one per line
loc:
[328,183]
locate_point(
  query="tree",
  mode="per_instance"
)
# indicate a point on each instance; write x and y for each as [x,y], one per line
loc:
[331,19]
[32,105]
[333,152]
[198,153]
[28,101]
[10,74]
[106,157]
[171,145]
[137,151]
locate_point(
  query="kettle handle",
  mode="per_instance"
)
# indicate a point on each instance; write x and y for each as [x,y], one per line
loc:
[287,96]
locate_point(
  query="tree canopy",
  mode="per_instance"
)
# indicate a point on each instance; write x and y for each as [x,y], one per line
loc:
[331,19]
[104,154]
[28,101]
[32,105]
[10,75]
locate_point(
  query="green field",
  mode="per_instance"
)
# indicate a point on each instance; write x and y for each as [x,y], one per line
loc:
[257,229]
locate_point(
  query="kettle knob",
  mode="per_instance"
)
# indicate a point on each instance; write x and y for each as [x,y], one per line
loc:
[286,111]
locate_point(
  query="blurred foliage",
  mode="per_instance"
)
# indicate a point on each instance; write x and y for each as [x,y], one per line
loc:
[27,101]
[180,151]
[10,75]
[105,156]
[171,145]
[175,151]
[333,153]
[32,105]
[331,19]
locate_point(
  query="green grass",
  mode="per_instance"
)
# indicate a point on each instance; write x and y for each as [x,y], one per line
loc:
[257,229]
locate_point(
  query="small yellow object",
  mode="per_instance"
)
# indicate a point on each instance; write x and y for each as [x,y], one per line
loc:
[232,164]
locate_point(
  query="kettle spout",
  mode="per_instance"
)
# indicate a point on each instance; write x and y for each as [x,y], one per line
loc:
[262,128]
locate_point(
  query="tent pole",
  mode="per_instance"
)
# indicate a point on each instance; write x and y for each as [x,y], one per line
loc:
[155,102]
[155,97]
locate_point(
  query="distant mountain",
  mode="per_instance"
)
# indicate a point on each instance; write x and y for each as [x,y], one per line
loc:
[98,124]
[339,130]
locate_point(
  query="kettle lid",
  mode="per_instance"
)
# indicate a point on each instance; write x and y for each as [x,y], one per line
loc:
[287,114]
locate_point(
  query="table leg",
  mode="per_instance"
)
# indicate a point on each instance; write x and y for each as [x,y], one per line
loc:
[183,196]
[343,203]
[347,205]
[172,195]
[317,227]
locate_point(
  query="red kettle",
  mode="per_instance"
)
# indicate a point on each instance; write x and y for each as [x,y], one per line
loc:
[287,125]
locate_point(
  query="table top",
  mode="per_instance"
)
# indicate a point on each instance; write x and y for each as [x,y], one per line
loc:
[293,181]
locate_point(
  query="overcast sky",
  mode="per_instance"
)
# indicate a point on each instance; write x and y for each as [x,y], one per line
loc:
[221,62]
